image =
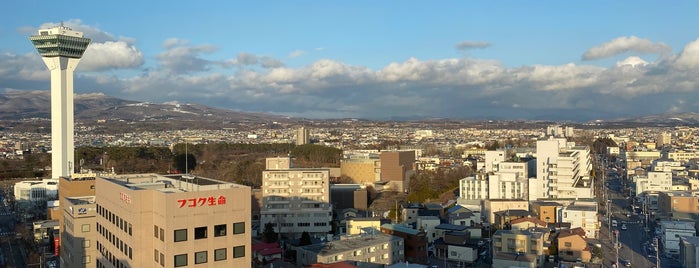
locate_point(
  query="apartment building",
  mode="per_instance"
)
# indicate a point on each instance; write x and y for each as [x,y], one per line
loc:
[522,242]
[361,250]
[295,200]
[677,202]
[671,233]
[362,170]
[149,220]
[582,215]
[563,171]
[653,181]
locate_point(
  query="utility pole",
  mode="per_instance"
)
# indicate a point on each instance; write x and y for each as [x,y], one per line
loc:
[616,245]
[657,252]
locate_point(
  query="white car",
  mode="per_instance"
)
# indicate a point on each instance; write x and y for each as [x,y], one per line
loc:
[623,227]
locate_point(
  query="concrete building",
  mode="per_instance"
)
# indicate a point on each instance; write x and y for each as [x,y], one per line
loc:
[490,206]
[689,251]
[35,193]
[357,226]
[572,246]
[61,49]
[149,220]
[492,159]
[302,136]
[375,250]
[507,186]
[677,202]
[563,171]
[526,243]
[78,243]
[396,168]
[681,156]
[296,200]
[547,211]
[663,139]
[414,241]
[671,233]
[361,171]
[582,215]
[474,188]
[653,181]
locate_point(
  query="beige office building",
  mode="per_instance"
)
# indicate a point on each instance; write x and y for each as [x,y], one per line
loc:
[150,220]
[78,237]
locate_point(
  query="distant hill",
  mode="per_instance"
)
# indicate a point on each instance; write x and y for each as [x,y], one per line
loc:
[19,105]
[660,119]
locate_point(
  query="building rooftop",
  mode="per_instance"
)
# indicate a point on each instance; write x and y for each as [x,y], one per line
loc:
[451,227]
[400,228]
[170,183]
[350,243]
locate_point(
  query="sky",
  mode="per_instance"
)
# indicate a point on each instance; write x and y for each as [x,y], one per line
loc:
[544,60]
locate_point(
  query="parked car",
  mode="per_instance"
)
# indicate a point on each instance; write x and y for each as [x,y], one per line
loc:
[623,227]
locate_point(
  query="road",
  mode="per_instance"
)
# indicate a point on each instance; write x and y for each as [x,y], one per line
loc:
[635,240]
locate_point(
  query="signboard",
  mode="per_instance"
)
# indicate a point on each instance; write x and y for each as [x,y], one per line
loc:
[125,197]
[82,211]
[202,201]
[56,246]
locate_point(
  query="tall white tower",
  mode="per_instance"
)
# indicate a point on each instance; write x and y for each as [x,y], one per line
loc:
[61,49]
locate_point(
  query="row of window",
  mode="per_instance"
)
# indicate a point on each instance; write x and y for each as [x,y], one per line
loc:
[203,231]
[115,219]
[200,257]
[115,240]
[113,260]
[300,224]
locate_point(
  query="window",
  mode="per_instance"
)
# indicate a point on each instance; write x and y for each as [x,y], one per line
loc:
[86,243]
[220,254]
[220,230]
[162,235]
[155,231]
[200,257]
[156,255]
[239,252]
[568,244]
[162,259]
[180,260]
[85,228]
[86,259]
[180,235]
[200,232]
[239,228]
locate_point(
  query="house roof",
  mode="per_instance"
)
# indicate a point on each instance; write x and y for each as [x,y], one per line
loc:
[536,221]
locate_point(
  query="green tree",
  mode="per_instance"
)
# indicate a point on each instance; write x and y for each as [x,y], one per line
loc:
[184,163]
[268,234]
[305,239]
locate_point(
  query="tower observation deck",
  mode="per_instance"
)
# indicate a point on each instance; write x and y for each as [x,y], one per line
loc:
[61,49]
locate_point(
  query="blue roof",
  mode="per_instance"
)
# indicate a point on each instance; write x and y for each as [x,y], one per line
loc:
[400,228]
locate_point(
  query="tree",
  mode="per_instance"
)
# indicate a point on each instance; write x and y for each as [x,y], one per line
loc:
[269,235]
[305,239]
[185,162]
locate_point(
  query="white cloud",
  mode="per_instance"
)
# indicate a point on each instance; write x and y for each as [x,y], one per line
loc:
[110,55]
[297,53]
[689,57]
[625,44]
[466,45]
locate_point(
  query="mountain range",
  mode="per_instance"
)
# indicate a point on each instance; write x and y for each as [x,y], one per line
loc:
[20,105]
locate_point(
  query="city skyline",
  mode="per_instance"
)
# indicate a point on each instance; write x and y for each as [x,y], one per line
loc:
[508,60]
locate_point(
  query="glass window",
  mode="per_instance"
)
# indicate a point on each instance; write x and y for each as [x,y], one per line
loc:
[220,254]
[86,243]
[200,257]
[180,235]
[162,259]
[200,232]
[162,234]
[220,230]
[155,231]
[85,228]
[239,228]
[156,254]
[239,252]
[180,260]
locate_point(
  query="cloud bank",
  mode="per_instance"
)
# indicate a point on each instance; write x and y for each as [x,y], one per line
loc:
[462,87]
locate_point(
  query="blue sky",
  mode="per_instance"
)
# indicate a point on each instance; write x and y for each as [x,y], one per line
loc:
[560,60]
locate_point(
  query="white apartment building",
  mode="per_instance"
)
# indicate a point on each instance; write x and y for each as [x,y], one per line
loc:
[667,165]
[671,233]
[492,159]
[374,250]
[681,156]
[583,215]
[36,192]
[474,188]
[653,181]
[507,186]
[295,200]
[562,170]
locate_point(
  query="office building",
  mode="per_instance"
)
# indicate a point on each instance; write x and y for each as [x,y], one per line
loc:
[396,168]
[34,193]
[61,49]
[302,136]
[149,220]
[78,237]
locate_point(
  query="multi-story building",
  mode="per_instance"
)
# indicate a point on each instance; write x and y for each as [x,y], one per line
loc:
[677,202]
[361,171]
[689,251]
[78,237]
[302,136]
[521,242]
[149,220]
[653,181]
[563,171]
[474,188]
[583,215]
[35,193]
[662,139]
[296,200]
[357,226]
[397,167]
[414,241]
[681,156]
[490,206]
[671,233]
[547,211]
[492,159]
[507,186]
[572,246]
[362,250]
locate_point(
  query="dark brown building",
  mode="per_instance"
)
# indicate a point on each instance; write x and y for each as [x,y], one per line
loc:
[415,241]
[397,167]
